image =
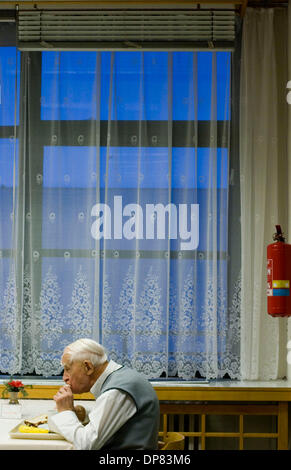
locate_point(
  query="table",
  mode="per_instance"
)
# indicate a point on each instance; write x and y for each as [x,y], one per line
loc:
[239,398]
[8,443]
[30,408]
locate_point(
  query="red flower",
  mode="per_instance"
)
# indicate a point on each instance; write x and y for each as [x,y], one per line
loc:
[16,383]
[15,386]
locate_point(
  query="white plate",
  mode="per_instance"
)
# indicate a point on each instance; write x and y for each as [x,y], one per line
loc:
[15,434]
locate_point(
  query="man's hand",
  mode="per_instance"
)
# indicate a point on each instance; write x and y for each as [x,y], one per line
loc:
[64,399]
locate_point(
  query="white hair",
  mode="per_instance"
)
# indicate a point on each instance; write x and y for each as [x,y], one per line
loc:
[86,349]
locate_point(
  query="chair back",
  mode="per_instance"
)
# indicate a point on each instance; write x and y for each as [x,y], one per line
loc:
[171,441]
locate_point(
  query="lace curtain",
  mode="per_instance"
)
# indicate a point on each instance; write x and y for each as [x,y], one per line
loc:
[120,204]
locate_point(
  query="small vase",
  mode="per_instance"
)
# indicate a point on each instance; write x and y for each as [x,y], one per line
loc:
[13,398]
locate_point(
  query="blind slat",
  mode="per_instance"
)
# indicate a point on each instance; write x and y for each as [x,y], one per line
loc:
[98,25]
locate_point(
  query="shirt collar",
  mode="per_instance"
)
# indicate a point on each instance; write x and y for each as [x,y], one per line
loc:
[111,367]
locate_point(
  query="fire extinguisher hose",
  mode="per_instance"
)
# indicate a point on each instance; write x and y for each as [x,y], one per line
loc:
[279,235]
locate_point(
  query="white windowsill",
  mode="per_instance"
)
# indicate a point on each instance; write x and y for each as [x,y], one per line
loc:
[172,383]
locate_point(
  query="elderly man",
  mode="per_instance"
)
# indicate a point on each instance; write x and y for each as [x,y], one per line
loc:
[126,411]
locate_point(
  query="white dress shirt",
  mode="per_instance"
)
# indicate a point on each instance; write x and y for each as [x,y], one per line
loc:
[112,409]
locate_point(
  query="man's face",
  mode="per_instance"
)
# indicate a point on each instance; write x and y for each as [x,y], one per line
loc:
[76,375]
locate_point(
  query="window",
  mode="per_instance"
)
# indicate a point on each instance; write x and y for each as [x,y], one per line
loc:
[108,137]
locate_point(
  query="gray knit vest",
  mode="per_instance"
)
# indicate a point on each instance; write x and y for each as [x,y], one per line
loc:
[140,431]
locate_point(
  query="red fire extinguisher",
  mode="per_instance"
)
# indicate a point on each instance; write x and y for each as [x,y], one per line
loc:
[279,276]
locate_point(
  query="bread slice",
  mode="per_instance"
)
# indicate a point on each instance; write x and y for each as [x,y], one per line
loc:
[42,419]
